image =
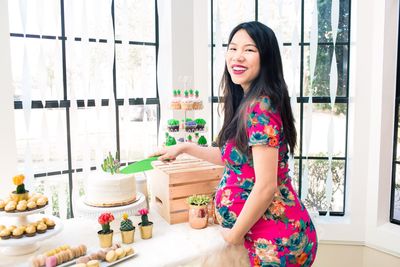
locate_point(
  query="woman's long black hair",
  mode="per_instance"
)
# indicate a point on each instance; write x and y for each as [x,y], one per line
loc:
[270,82]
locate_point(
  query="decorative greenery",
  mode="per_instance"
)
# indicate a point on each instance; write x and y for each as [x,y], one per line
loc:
[18,180]
[104,220]
[198,200]
[188,119]
[190,138]
[202,140]
[191,92]
[145,218]
[170,140]
[196,93]
[126,223]
[178,92]
[111,164]
[186,93]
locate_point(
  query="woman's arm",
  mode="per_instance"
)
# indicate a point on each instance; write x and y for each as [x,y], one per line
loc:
[265,160]
[210,154]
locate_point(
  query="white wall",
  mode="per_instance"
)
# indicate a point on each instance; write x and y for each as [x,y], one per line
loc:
[8,155]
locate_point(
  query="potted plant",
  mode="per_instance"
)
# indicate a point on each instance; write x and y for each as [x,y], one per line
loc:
[106,233]
[127,230]
[198,211]
[146,227]
[20,193]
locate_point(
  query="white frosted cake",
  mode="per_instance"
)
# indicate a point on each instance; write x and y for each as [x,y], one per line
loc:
[110,190]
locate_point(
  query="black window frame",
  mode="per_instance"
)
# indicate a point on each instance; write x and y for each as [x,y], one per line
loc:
[300,100]
[65,103]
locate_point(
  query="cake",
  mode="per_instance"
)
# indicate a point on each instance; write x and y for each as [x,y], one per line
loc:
[173,125]
[110,190]
[200,124]
[108,187]
[176,101]
[197,102]
[186,102]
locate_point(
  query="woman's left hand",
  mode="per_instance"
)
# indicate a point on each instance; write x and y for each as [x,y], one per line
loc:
[230,237]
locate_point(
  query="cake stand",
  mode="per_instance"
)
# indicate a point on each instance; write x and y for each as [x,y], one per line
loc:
[26,245]
[84,210]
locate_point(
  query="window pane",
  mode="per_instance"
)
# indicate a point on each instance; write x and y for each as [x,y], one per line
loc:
[218,119]
[319,139]
[396,203]
[398,136]
[138,131]
[317,175]
[323,69]
[135,20]
[136,71]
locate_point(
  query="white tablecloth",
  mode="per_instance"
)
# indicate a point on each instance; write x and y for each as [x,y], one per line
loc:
[171,245]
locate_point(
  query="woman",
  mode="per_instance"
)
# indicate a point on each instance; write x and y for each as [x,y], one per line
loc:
[255,201]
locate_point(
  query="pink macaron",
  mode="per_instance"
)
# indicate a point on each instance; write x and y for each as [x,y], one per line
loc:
[51,261]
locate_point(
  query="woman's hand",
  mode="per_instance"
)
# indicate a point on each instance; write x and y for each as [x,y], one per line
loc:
[168,154]
[230,237]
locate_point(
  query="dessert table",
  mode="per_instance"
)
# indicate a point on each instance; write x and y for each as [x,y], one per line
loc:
[171,245]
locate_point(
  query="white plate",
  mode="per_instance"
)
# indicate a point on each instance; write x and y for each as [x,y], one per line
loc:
[38,237]
[23,213]
[102,263]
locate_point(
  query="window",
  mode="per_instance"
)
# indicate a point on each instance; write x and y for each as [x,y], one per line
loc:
[395,195]
[84,76]
[316,68]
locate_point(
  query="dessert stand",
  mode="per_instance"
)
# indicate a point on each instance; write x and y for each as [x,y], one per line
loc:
[26,245]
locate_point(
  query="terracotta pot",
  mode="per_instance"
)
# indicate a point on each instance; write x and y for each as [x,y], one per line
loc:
[198,216]
[17,197]
[105,239]
[146,231]
[128,237]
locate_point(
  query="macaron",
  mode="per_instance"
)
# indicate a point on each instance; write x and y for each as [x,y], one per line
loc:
[93,263]
[111,256]
[51,261]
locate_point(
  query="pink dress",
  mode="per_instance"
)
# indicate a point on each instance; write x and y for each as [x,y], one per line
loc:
[285,234]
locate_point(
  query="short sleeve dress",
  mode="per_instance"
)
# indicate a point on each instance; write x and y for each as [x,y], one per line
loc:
[285,234]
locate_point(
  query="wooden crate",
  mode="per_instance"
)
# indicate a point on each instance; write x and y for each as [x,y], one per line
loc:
[172,183]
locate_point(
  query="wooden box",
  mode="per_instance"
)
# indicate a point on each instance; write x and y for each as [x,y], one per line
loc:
[172,183]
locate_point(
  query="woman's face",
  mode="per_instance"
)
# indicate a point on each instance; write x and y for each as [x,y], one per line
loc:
[243,59]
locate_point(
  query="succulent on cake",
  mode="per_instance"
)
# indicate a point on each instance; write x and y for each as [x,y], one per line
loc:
[202,141]
[191,92]
[186,93]
[111,164]
[104,220]
[196,93]
[189,138]
[190,126]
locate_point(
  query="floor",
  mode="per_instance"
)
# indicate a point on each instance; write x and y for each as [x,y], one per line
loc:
[353,256]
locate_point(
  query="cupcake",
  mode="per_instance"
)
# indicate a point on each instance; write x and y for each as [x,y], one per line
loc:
[175,102]
[190,126]
[200,124]
[30,230]
[17,233]
[197,102]
[187,103]
[21,205]
[10,207]
[173,125]
[5,234]
[41,228]
[2,204]
[41,202]
[50,223]
[31,205]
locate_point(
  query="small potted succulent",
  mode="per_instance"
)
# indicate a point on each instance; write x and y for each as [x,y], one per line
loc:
[200,124]
[198,211]
[202,141]
[146,226]
[20,192]
[173,125]
[111,164]
[127,230]
[106,233]
[189,138]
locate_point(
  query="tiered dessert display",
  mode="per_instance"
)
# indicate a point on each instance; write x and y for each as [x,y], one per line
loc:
[188,129]
[24,225]
[109,190]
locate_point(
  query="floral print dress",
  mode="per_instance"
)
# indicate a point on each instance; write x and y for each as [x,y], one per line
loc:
[285,234]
